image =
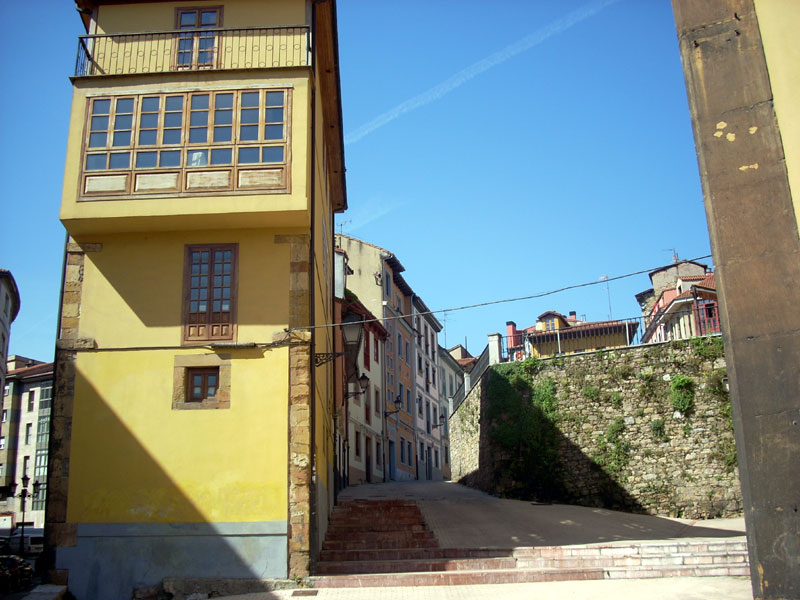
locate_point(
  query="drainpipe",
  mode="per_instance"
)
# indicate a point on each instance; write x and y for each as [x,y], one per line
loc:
[312,492]
[49,554]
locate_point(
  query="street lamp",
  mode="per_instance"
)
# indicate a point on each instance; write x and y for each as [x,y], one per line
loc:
[398,406]
[363,382]
[441,422]
[352,328]
[23,495]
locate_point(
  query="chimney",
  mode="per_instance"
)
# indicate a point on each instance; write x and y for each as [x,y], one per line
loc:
[573,316]
[512,335]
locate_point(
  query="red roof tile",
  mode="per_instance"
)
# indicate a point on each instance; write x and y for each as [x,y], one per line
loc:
[31,371]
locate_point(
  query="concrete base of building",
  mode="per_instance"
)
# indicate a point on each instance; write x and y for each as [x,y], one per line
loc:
[110,560]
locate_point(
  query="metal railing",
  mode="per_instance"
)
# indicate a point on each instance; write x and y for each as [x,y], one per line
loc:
[193,50]
[471,378]
[697,321]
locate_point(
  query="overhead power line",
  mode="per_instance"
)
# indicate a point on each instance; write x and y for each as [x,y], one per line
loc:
[507,300]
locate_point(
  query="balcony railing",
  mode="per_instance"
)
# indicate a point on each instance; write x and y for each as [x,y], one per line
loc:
[193,50]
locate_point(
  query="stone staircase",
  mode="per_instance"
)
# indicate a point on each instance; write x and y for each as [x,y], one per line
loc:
[378,543]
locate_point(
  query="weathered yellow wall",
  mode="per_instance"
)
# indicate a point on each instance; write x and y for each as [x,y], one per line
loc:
[160,16]
[132,289]
[134,459]
[777,20]
[323,309]
[568,345]
[225,465]
[199,211]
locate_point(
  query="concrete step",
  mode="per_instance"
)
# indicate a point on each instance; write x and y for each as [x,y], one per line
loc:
[447,578]
[349,528]
[413,554]
[414,566]
[446,560]
[493,576]
[379,535]
[379,543]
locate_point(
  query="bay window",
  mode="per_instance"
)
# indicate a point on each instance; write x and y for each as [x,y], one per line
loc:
[226,140]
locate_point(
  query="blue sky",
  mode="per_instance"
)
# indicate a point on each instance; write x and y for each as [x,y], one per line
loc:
[499,149]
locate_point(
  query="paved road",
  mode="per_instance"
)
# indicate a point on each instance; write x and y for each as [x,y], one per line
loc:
[677,588]
[463,517]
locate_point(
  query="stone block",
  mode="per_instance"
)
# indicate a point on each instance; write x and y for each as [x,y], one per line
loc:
[71,310]
[58,576]
[62,535]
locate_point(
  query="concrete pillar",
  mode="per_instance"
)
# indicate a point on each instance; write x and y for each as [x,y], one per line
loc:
[495,349]
[754,238]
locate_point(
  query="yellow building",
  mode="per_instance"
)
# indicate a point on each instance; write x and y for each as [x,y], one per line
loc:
[555,334]
[192,427]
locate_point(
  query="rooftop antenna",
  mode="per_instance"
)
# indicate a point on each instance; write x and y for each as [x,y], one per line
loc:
[608,291]
[342,224]
[675,258]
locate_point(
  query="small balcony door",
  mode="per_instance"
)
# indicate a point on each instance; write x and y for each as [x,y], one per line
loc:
[368,459]
[197,49]
[392,462]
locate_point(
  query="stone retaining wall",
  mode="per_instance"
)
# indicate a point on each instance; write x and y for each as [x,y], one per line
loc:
[618,440]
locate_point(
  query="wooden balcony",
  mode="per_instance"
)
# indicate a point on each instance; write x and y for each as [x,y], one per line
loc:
[193,50]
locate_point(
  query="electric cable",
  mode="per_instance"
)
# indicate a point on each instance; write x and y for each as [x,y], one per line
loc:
[504,300]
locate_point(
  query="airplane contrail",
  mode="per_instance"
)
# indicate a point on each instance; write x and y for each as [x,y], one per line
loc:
[463,76]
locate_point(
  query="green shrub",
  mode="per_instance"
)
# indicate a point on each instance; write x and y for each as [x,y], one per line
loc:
[614,453]
[620,372]
[729,456]
[647,383]
[716,384]
[615,399]
[615,429]
[659,430]
[591,392]
[708,347]
[681,394]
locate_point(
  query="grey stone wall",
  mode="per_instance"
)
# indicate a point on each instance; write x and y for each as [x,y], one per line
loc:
[620,442]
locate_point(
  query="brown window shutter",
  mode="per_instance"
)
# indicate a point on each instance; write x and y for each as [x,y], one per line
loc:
[210,286]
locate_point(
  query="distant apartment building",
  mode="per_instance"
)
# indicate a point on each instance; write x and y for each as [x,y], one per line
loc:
[555,334]
[378,282]
[430,417]
[9,297]
[363,397]
[665,278]
[688,309]
[24,436]
[451,378]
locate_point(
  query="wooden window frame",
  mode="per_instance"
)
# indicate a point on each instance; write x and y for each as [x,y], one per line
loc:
[187,337]
[205,373]
[366,348]
[189,363]
[206,176]
[195,52]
